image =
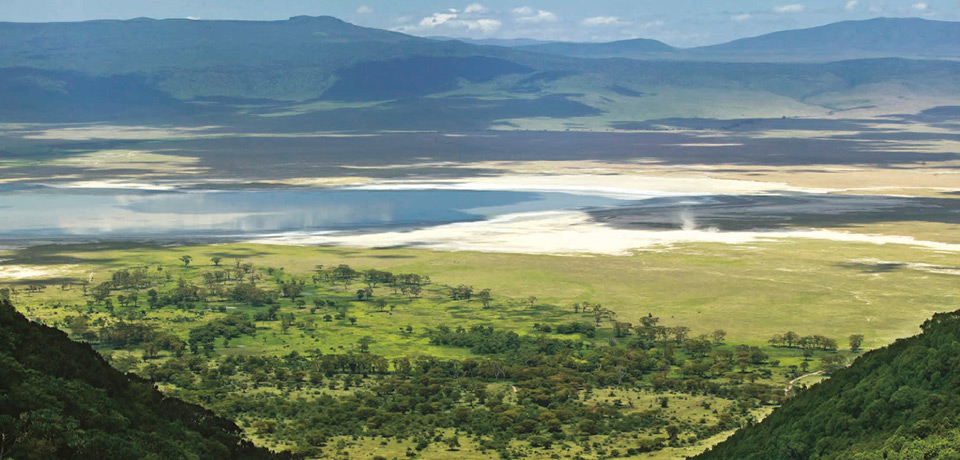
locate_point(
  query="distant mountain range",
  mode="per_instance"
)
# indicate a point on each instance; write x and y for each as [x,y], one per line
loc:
[881,37]
[275,74]
[507,42]
[873,38]
[636,48]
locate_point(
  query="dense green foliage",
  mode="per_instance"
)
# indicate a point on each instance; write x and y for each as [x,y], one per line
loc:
[59,399]
[331,361]
[898,402]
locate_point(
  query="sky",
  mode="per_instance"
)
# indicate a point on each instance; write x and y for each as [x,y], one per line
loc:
[676,22]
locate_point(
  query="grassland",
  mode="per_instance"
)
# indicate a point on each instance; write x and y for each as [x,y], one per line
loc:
[812,287]
[816,287]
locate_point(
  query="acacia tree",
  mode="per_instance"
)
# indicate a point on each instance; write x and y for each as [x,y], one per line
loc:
[216,261]
[719,335]
[461,292]
[598,313]
[285,322]
[856,340]
[186,259]
[485,297]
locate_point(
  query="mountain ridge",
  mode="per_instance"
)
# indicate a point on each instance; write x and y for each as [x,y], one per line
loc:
[897,402]
[60,399]
[890,37]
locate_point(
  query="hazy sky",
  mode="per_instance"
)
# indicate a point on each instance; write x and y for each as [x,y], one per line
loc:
[677,22]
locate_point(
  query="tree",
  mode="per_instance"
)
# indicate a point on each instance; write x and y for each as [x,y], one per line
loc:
[673,431]
[461,292]
[153,298]
[291,290]
[150,350]
[77,324]
[776,340]
[343,274]
[364,343]
[718,336]
[856,340]
[621,329]
[286,321]
[186,259]
[833,363]
[414,290]
[453,442]
[598,313]
[484,297]
[216,261]
[101,291]
[791,338]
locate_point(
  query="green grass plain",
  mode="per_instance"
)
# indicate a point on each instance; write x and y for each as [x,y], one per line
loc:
[809,286]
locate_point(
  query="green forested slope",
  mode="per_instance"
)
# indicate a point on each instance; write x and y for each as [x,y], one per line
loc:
[899,402]
[59,399]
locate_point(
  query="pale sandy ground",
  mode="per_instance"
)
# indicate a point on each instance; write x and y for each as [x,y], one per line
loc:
[23,272]
[572,232]
[613,185]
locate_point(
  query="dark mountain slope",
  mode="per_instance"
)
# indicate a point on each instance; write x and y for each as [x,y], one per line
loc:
[231,72]
[418,76]
[507,42]
[898,402]
[36,95]
[880,37]
[59,399]
[291,59]
[146,45]
[635,48]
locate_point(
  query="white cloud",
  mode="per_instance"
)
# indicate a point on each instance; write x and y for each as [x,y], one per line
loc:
[469,20]
[475,8]
[437,19]
[794,8]
[484,25]
[364,9]
[921,6]
[603,21]
[523,11]
[742,17]
[652,24]
[851,5]
[526,14]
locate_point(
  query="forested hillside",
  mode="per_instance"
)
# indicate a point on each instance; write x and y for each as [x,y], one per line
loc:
[59,399]
[898,402]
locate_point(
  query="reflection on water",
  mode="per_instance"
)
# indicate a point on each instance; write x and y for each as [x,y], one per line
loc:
[105,213]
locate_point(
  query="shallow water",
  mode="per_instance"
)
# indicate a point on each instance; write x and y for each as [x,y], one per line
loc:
[44,212]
